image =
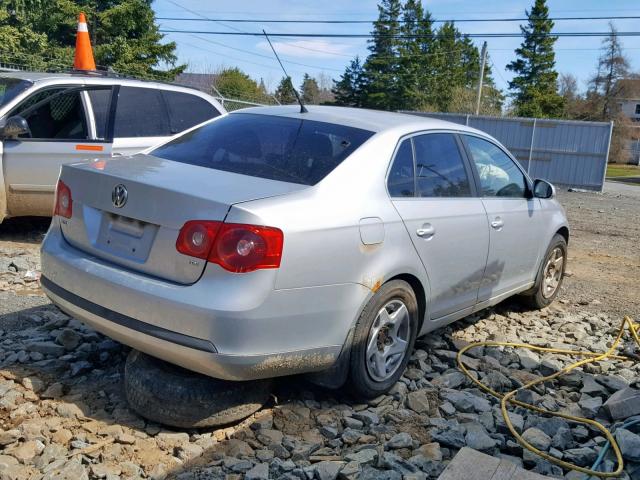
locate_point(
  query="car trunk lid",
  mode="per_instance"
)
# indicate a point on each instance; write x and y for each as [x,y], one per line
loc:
[129,211]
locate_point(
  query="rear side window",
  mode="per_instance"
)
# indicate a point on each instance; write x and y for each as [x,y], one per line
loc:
[401,180]
[186,110]
[440,170]
[101,103]
[278,148]
[140,112]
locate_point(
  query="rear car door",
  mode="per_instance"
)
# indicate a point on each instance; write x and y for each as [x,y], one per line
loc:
[146,117]
[432,188]
[514,217]
[63,130]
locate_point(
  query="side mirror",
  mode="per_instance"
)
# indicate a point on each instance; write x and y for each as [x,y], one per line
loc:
[543,189]
[14,127]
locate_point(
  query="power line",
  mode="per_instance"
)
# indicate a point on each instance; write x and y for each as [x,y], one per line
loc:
[317,67]
[405,36]
[325,21]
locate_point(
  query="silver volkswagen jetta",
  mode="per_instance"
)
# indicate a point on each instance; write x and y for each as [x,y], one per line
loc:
[271,242]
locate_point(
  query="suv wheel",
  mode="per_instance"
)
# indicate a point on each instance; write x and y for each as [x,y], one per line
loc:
[383,339]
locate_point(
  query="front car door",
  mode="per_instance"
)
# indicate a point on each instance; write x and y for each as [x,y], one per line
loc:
[432,188]
[515,218]
[64,129]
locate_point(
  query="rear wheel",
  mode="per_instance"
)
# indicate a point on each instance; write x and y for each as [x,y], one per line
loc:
[550,275]
[383,340]
[168,394]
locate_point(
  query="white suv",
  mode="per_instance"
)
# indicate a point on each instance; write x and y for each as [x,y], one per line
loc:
[49,119]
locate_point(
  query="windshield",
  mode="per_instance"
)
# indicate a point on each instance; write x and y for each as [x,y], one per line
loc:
[10,88]
[273,147]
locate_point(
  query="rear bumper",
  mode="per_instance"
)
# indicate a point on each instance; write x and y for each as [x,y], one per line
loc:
[285,332]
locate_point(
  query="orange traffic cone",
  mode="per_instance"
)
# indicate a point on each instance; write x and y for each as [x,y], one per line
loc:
[84,55]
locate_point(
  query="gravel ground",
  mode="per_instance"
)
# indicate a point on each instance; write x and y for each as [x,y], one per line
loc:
[63,414]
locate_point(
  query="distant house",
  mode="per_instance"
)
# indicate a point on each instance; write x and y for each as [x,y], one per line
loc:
[201,81]
[628,97]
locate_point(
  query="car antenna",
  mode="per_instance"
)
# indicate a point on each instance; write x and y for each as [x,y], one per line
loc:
[303,109]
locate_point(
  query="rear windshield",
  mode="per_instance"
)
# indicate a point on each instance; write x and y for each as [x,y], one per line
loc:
[10,88]
[278,148]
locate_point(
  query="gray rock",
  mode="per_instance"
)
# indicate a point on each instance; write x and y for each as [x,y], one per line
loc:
[451,437]
[478,438]
[71,470]
[580,456]
[450,380]
[46,348]
[466,401]
[550,365]
[537,438]
[258,472]
[528,359]
[364,457]
[328,470]
[497,381]
[629,444]
[400,440]
[612,382]
[590,405]
[623,404]
[418,401]
[367,417]
[563,439]
[370,473]
[69,339]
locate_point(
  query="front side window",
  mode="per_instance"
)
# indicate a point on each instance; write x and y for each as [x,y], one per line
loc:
[141,112]
[186,110]
[401,180]
[499,175]
[61,118]
[440,170]
[638,109]
[273,147]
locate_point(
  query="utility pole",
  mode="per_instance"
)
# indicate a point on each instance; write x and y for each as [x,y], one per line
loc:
[483,61]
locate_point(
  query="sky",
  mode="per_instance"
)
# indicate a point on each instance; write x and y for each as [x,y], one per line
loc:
[329,56]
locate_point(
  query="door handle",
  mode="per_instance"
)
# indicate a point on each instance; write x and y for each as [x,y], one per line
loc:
[497,223]
[426,231]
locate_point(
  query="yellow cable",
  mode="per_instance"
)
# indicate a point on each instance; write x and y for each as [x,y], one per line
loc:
[509,397]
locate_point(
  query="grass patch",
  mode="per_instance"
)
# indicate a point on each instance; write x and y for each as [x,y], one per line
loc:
[620,170]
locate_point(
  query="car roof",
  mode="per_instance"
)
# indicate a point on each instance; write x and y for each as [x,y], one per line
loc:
[372,120]
[83,77]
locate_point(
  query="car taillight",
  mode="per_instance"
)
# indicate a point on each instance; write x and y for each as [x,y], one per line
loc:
[235,247]
[64,201]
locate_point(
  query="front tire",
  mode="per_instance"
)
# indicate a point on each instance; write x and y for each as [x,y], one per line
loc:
[550,275]
[383,340]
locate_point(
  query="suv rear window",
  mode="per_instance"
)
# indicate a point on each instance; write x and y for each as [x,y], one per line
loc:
[277,148]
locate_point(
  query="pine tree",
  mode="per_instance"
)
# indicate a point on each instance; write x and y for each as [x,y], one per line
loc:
[534,86]
[348,90]
[612,66]
[414,52]
[285,93]
[124,34]
[382,65]
[309,90]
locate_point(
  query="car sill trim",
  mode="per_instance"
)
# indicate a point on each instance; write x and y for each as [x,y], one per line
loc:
[128,322]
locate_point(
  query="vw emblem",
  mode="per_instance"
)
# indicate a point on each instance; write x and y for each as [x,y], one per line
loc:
[119,196]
